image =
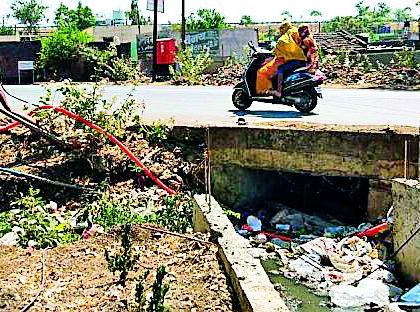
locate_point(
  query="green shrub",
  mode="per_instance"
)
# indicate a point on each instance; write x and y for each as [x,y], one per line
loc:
[60,50]
[405,58]
[191,67]
[177,214]
[110,213]
[91,105]
[125,261]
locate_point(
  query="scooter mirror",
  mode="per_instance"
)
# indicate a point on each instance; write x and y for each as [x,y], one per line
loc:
[251,45]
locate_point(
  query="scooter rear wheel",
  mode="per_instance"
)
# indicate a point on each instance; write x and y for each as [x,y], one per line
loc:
[240,99]
[309,101]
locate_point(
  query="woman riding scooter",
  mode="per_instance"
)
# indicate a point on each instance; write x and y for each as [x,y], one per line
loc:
[287,54]
[308,45]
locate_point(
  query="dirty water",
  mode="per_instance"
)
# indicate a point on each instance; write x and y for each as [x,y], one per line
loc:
[298,297]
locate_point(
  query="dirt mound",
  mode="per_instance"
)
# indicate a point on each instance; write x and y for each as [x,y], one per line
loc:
[77,277]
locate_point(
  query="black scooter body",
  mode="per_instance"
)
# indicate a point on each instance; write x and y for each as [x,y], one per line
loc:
[300,88]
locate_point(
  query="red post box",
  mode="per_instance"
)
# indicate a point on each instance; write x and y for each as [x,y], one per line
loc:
[166,51]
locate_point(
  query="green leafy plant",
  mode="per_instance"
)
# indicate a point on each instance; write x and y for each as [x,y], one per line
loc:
[125,261]
[206,19]
[122,69]
[39,226]
[109,212]
[5,222]
[7,31]
[190,67]
[177,214]
[159,291]
[405,58]
[91,105]
[140,292]
[246,20]
[157,132]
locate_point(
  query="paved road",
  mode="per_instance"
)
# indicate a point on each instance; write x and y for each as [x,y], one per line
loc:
[212,105]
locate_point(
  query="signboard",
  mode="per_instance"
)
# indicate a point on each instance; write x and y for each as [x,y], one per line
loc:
[151,5]
[25,65]
[145,45]
[203,41]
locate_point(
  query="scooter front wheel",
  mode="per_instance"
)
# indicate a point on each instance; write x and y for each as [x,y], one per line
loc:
[241,99]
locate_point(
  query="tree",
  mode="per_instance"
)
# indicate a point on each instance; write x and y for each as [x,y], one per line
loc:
[206,19]
[246,20]
[81,18]
[29,13]
[286,15]
[315,13]
[382,13]
[402,15]
[134,15]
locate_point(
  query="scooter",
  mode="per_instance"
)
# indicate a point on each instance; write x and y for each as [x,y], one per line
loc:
[300,88]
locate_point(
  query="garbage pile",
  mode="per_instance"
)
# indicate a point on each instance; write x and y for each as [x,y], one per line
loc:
[351,265]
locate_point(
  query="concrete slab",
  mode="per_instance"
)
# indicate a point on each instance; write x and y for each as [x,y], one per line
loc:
[250,282]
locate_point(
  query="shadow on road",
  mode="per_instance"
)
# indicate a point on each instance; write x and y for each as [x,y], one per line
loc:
[271,114]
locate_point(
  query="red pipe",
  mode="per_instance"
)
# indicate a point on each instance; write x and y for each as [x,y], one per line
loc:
[113,139]
[373,231]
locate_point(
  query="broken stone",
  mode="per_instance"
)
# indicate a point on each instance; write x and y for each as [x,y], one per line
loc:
[9,239]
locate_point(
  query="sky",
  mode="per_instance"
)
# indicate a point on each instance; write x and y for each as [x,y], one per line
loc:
[259,10]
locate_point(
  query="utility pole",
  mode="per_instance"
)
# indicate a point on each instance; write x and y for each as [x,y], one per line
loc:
[183,25]
[138,19]
[155,34]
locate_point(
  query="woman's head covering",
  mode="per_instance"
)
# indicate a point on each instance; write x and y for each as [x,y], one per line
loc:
[304,30]
[284,27]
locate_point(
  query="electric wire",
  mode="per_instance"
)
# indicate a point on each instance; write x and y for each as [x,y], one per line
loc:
[45,180]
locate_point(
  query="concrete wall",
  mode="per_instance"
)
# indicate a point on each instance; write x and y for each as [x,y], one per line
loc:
[407,216]
[235,40]
[124,33]
[244,161]
[350,153]
[9,38]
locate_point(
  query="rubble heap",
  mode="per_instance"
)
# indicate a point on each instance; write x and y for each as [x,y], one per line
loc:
[228,75]
[333,42]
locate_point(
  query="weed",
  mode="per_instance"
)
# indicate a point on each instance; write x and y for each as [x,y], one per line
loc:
[91,105]
[157,132]
[177,215]
[122,69]
[124,262]
[32,201]
[109,212]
